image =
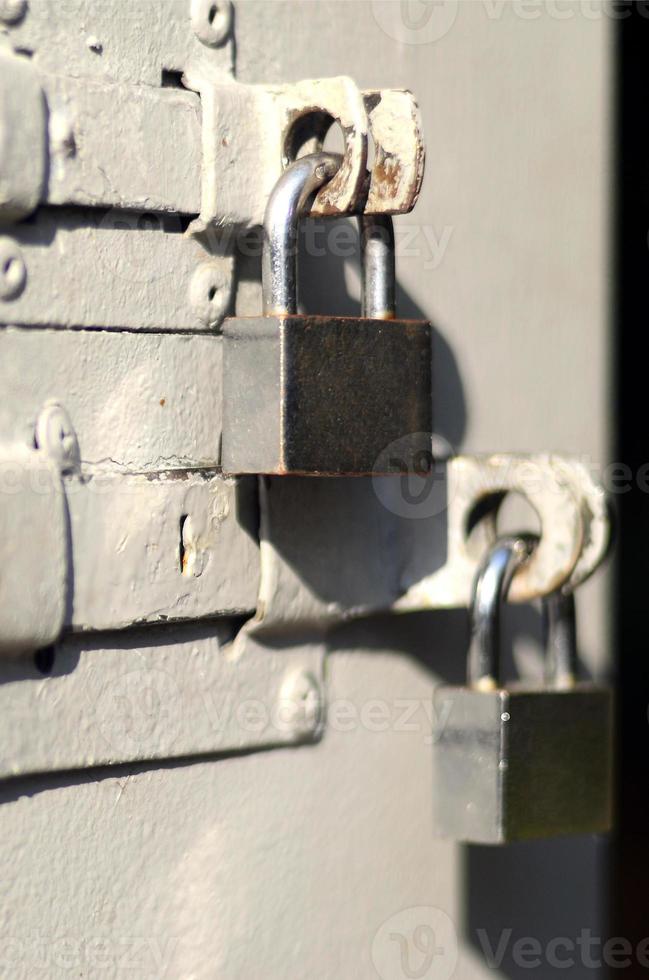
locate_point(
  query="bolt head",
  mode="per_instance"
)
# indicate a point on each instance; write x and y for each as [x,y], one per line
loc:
[55,435]
[209,293]
[11,11]
[212,21]
[303,707]
[13,271]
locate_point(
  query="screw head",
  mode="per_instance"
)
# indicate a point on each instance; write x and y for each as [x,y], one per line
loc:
[13,271]
[212,21]
[55,435]
[11,11]
[209,293]
[302,703]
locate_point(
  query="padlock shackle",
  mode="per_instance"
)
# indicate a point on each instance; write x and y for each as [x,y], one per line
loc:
[489,592]
[377,266]
[560,630]
[491,586]
[285,205]
[279,256]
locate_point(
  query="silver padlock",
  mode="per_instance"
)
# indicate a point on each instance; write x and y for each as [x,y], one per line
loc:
[325,395]
[520,762]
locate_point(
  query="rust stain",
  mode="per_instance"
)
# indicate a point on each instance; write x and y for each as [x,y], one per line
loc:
[388,173]
[163,401]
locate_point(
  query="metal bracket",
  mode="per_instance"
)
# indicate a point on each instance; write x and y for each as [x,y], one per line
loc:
[34,533]
[129,698]
[22,137]
[55,147]
[574,527]
[257,130]
[393,548]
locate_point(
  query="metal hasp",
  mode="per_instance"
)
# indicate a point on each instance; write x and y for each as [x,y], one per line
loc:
[320,395]
[34,530]
[517,762]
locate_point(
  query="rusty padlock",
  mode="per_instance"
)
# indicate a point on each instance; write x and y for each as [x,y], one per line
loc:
[325,395]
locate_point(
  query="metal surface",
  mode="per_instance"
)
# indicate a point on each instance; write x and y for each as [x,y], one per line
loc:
[569,502]
[144,485]
[71,103]
[212,20]
[514,763]
[22,137]
[174,545]
[406,550]
[326,396]
[140,403]
[560,628]
[88,117]
[285,207]
[212,867]
[148,274]
[251,133]
[55,434]
[378,274]
[34,531]
[321,395]
[121,43]
[146,549]
[279,257]
[261,129]
[13,271]
[145,695]
[63,156]
[492,585]
[399,154]
[522,764]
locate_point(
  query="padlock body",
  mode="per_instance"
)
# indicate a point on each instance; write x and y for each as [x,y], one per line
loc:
[519,764]
[311,395]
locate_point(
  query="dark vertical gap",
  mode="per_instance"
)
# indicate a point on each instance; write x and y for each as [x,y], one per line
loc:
[630,867]
[181,545]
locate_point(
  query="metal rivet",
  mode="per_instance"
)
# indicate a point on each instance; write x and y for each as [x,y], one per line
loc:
[11,11]
[211,20]
[13,271]
[55,435]
[302,704]
[209,293]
